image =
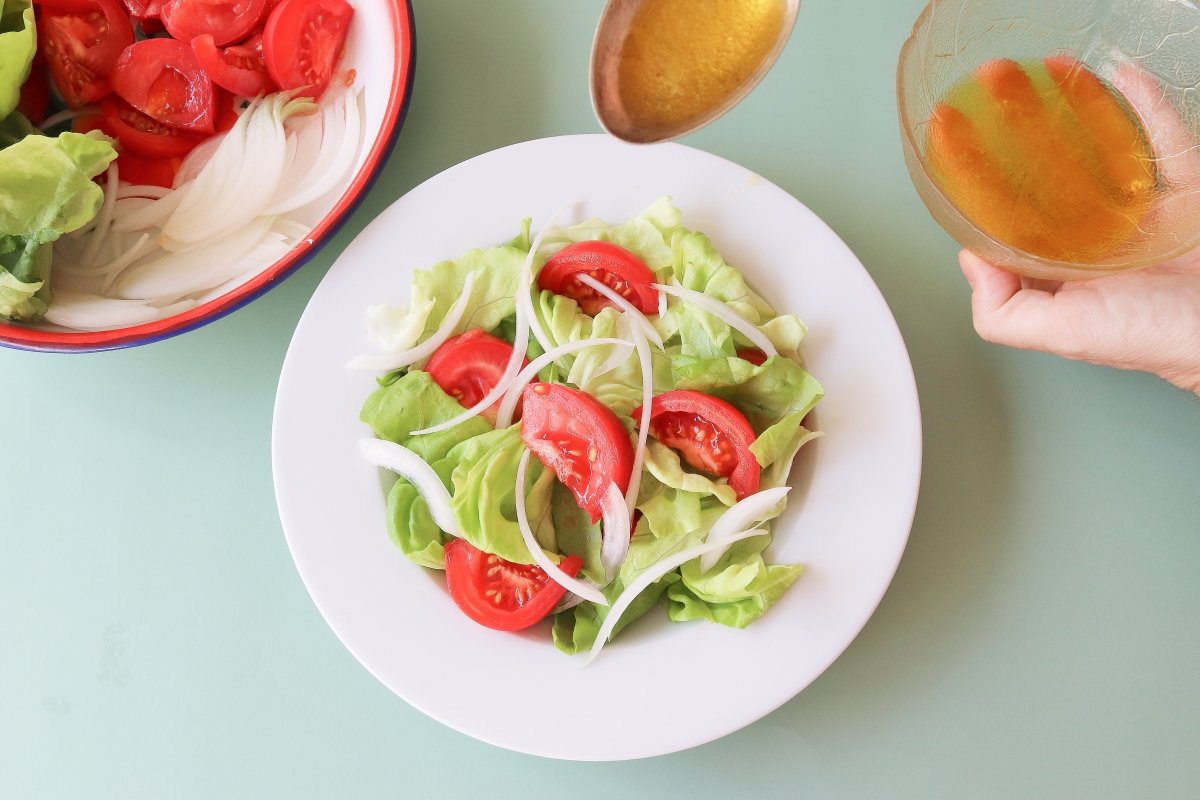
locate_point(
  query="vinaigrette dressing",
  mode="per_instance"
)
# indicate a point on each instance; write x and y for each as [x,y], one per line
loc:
[684,58]
[1044,156]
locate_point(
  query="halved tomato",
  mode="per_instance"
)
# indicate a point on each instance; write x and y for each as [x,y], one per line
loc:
[143,136]
[238,68]
[709,433]
[619,269]
[303,40]
[82,40]
[162,79]
[498,593]
[227,21]
[148,171]
[469,366]
[578,437]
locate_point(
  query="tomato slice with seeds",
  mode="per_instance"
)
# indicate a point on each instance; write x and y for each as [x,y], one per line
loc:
[469,366]
[578,437]
[143,136]
[227,21]
[162,79]
[303,40]
[501,594]
[709,433]
[239,68]
[619,269]
[81,40]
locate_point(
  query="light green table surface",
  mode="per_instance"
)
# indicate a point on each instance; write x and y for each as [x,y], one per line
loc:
[1041,639]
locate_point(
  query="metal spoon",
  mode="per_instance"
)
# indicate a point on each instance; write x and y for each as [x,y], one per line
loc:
[615,23]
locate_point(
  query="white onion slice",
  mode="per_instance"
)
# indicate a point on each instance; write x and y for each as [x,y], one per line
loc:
[508,405]
[725,313]
[639,453]
[520,345]
[196,269]
[524,299]
[662,303]
[68,115]
[152,215]
[104,221]
[405,462]
[551,569]
[741,515]
[341,128]
[386,362]
[570,599]
[614,541]
[618,355]
[128,190]
[649,576]
[90,312]
[638,318]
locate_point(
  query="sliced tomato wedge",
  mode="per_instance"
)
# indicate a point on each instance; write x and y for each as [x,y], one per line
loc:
[303,41]
[579,438]
[145,14]
[498,593]
[227,21]
[162,79]
[239,68]
[753,355]
[148,171]
[143,136]
[709,433]
[81,40]
[619,269]
[469,366]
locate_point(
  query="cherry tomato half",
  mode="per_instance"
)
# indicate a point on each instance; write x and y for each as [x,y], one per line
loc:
[162,79]
[239,68]
[143,136]
[498,593]
[469,366]
[579,438]
[303,40]
[227,21]
[709,433]
[82,40]
[617,268]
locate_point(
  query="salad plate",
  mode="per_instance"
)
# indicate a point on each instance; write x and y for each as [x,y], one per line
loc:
[660,687]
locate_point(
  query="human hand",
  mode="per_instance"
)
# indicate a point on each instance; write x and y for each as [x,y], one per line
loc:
[1145,320]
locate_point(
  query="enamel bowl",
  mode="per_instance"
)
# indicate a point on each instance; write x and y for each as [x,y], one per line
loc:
[380,48]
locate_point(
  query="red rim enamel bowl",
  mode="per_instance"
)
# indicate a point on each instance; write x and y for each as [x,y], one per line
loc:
[381,48]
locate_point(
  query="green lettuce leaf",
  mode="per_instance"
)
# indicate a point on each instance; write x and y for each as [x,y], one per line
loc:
[575,533]
[18,40]
[575,630]
[410,524]
[735,592]
[648,234]
[412,402]
[484,495]
[46,190]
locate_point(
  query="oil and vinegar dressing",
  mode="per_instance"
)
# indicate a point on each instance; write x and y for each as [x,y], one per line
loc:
[1043,156]
[684,58]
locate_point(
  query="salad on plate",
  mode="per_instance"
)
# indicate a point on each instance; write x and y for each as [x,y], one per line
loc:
[588,424]
[154,154]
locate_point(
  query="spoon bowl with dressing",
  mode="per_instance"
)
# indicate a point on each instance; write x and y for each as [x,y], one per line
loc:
[665,68]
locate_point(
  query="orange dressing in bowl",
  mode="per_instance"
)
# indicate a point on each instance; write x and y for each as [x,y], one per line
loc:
[683,59]
[1043,156]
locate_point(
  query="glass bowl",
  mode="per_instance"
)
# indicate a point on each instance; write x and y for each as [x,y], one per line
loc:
[1148,50]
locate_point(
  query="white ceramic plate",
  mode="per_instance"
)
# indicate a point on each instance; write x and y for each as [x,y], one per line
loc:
[848,519]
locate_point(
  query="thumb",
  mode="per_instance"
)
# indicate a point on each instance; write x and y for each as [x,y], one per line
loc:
[1006,313]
